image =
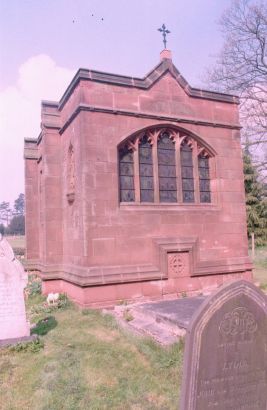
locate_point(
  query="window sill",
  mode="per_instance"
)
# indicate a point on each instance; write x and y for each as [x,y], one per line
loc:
[148,206]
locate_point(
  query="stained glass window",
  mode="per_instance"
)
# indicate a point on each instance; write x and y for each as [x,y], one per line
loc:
[204,179]
[167,169]
[151,170]
[146,171]
[126,170]
[187,173]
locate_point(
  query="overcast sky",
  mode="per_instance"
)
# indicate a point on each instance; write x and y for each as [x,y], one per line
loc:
[44,42]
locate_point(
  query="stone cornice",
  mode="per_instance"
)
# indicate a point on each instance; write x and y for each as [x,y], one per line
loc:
[144,83]
[30,148]
[89,108]
[181,120]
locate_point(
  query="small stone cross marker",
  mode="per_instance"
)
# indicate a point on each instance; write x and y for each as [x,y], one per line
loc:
[164,31]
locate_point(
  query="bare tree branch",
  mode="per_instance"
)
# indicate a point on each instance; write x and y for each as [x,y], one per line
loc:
[241,68]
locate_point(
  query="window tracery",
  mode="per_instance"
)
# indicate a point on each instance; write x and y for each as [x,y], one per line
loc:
[164,165]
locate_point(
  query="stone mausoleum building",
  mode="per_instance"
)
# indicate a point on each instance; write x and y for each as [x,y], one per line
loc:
[134,189]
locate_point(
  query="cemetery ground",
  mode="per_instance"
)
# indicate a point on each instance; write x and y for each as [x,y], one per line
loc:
[83,360]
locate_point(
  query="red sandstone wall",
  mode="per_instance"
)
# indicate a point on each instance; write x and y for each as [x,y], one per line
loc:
[123,233]
[32,209]
[95,229]
[164,97]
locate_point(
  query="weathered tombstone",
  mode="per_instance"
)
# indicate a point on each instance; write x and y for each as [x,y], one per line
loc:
[13,324]
[225,366]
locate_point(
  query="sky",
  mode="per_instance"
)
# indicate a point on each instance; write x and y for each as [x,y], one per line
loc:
[44,42]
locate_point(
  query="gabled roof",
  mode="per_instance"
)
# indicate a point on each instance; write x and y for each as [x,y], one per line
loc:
[166,65]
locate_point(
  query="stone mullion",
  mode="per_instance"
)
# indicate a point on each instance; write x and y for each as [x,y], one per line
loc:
[213,180]
[155,168]
[195,171]
[136,173]
[178,168]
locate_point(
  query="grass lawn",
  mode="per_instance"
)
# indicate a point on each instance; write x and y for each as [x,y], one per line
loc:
[87,362]
[260,266]
[16,241]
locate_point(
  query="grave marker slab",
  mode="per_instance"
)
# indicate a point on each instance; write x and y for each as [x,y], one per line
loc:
[13,279]
[225,365]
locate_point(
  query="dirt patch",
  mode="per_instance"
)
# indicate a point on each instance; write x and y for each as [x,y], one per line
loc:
[105,335]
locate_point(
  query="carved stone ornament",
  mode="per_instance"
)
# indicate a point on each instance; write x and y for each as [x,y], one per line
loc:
[70,175]
[238,321]
[178,264]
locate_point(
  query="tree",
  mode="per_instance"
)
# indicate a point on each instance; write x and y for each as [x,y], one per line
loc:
[256,202]
[2,229]
[241,68]
[19,205]
[17,225]
[5,212]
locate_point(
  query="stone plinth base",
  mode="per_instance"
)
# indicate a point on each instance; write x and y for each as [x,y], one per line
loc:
[14,341]
[169,288]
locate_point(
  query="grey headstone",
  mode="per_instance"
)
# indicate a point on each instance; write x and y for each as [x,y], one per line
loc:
[225,365]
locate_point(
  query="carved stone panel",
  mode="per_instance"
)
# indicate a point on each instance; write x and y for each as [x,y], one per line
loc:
[225,365]
[178,264]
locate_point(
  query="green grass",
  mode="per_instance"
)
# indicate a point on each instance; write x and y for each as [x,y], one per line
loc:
[87,362]
[16,241]
[84,361]
[260,266]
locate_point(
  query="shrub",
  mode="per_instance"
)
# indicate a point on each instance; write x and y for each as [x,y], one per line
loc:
[33,346]
[44,326]
[34,286]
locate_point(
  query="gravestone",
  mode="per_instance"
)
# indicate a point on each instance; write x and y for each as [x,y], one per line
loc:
[225,365]
[13,279]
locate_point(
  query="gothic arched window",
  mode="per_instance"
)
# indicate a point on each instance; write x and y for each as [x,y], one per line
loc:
[204,178]
[164,165]
[127,192]
[167,169]
[146,170]
[187,172]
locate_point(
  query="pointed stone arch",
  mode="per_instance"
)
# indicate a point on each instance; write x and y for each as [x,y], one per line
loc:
[169,165]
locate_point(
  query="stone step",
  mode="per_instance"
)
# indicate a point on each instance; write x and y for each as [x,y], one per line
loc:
[164,321]
[149,328]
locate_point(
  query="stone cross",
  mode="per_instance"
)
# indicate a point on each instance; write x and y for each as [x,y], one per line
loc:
[225,364]
[164,31]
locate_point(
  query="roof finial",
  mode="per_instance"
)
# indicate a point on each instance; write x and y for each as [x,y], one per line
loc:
[164,31]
